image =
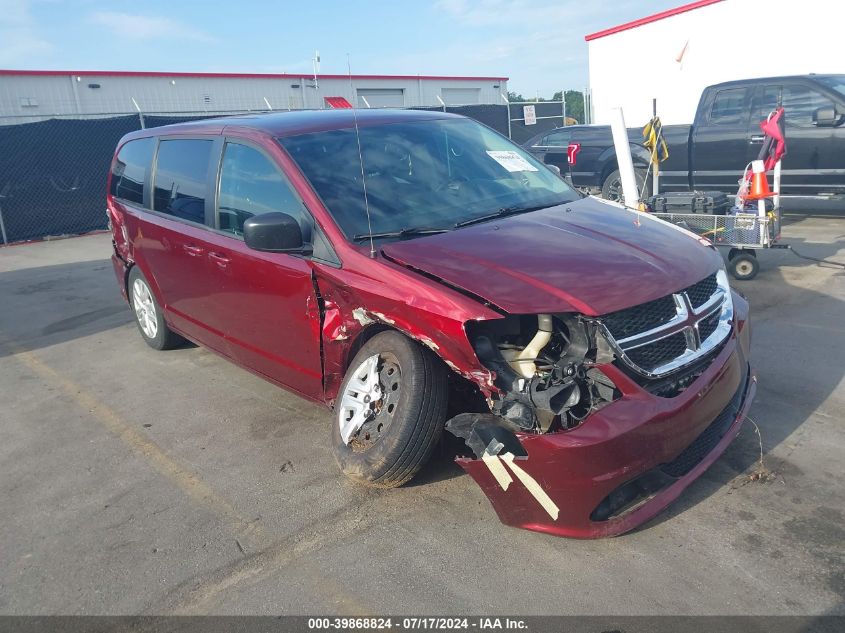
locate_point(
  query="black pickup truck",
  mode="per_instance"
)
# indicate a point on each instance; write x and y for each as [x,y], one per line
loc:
[711,153]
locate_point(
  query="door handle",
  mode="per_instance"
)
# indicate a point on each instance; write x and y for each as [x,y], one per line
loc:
[193,251]
[757,139]
[219,259]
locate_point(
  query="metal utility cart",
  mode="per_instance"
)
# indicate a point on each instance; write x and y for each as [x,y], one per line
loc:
[743,233]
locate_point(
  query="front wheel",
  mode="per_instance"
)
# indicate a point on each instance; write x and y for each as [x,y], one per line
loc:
[611,188]
[389,412]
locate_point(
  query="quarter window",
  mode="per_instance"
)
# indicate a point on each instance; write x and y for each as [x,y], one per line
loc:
[130,170]
[729,107]
[181,177]
[250,184]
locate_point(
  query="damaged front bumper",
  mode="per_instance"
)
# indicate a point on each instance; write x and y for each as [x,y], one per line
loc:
[625,463]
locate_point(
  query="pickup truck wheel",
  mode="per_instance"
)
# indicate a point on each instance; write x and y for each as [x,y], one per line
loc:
[148,314]
[389,412]
[611,188]
[744,267]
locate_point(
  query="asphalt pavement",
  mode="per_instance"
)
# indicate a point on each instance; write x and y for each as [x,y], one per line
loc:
[142,482]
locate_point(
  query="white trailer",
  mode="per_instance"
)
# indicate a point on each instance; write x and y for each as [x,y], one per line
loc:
[673,55]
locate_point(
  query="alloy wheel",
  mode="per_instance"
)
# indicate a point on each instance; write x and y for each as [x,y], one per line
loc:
[614,191]
[145,311]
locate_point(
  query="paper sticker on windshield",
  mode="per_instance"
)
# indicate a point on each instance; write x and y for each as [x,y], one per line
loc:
[511,160]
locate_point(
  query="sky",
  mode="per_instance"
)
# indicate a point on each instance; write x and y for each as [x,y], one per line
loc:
[538,44]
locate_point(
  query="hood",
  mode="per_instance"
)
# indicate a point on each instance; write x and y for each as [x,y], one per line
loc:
[587,256]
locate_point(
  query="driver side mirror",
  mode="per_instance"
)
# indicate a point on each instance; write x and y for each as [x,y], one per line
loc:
[825,117]
[555,170]
[275,232]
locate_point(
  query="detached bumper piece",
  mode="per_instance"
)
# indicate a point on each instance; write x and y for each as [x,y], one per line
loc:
[493,440]
[624,464]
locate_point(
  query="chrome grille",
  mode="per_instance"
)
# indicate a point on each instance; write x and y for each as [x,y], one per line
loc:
[661,336]
[660,352]
[640,318]
[699,293]
[708,325]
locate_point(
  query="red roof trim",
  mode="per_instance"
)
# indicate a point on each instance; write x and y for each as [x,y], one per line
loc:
[651,18]
[145,73]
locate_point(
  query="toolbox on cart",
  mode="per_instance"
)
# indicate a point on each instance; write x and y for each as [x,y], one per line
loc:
[707,202]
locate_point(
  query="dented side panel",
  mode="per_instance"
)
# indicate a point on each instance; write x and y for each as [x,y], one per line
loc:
[418,307]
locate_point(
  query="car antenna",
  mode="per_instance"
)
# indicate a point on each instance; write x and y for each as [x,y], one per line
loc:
[361,160]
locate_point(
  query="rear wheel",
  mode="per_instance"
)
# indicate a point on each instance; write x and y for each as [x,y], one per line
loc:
[611,188]
[389,412]
[148,314]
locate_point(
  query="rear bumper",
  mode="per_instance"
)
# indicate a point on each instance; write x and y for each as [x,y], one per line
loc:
[632,458]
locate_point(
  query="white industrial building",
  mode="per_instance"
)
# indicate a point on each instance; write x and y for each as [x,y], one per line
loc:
[672,56]
[35,93]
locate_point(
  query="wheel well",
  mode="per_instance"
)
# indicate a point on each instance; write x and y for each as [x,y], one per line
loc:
[129,267]
[609,168]
[638,170]
[363,336]
[464,395]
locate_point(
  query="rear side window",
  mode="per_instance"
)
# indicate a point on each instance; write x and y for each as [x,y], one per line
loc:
[181,178]
[129,170]
[729,107]
[251,184]
[799,104]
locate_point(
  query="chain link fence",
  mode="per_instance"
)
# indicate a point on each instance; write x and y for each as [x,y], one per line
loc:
[548,115]
[53,168]
[52,175]
[494,116]
[53,171]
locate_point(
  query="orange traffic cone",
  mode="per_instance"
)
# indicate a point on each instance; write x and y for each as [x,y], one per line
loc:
[759,182]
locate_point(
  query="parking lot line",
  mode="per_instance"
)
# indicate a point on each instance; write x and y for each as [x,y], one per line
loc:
[180,475]
[262,559]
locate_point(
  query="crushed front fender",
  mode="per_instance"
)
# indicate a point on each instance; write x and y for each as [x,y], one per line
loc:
[419,308]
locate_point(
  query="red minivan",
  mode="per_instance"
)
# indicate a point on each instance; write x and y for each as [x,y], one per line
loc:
[416,271]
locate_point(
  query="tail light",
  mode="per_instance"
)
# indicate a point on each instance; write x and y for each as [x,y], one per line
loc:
[572,153]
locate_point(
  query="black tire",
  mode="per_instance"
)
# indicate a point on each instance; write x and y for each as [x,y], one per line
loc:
[392,454]
[744,267]
[163,337]
[611,188]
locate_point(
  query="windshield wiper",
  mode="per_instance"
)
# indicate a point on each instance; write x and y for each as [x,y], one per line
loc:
[500,213]
[401,233]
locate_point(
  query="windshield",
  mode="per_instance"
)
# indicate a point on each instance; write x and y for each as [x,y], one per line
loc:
[422,176]
[836,82]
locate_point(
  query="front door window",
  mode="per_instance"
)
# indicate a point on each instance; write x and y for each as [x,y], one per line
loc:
[251,185]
